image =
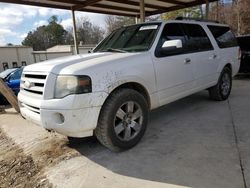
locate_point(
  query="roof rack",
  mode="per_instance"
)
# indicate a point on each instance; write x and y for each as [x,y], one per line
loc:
[196,19]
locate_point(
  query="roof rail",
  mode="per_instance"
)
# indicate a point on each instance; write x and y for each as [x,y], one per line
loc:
[195,19]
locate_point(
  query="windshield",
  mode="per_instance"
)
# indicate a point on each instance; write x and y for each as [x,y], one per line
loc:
[135,38]
[5,73]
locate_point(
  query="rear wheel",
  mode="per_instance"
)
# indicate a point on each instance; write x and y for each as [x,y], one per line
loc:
[222,89]
[123,120]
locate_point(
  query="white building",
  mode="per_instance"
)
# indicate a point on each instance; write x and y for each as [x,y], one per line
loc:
[17,56]
[59,51]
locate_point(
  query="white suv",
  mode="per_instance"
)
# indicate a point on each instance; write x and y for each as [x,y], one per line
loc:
[109,92]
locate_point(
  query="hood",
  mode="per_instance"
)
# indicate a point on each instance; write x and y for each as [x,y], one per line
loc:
[57,65]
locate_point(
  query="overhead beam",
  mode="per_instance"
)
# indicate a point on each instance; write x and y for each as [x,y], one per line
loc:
[129,2]
[111,7]
[40,4]
[85,4]
[89,5]
[187,5]
[175,2]
[108,12]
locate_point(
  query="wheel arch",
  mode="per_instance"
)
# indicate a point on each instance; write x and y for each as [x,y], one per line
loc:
[228,65]
[132,85]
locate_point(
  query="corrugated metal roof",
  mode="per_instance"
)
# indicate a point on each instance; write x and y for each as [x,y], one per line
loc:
[113,7]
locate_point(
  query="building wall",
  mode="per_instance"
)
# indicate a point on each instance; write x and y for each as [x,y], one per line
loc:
[40,56]
[12,56]
[43,56]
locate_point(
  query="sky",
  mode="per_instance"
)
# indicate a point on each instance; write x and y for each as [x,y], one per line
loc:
[17,20]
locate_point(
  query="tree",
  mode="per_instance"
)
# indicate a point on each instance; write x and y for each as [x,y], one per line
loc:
[88,33]
[46,36]
[235,14]
[115,22]
[36,39]
[193,12]
[55,32]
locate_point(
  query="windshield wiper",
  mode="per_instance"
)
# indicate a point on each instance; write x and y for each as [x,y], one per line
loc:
[114,50]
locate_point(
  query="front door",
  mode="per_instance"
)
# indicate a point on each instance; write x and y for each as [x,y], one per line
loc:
[174,68]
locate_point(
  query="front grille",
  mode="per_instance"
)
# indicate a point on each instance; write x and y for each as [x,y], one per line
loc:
[33,91]
[33,83]
[35,76]
[31,108]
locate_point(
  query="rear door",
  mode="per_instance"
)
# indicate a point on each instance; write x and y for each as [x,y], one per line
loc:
[204,58]
[227,47]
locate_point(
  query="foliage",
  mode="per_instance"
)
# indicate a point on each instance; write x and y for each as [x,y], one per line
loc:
[88,33]
[46,36]
[236,15]
[115,22]
[193,12]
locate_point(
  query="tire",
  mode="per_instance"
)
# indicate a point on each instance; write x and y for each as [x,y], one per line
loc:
[222,89]
[123,120]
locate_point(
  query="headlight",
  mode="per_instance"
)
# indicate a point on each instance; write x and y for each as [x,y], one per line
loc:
[67,85]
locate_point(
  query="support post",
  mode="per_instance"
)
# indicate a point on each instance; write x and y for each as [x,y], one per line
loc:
[207,9]
[74,32]
[142,11]
[136,20]
[9,95]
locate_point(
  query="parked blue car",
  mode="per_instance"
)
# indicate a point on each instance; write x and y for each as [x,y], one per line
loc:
[11,77]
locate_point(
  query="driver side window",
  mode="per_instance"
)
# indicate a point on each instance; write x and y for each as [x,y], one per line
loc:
[171,31]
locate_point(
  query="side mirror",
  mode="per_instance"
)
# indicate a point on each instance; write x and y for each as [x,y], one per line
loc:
[172,44]
[171,47]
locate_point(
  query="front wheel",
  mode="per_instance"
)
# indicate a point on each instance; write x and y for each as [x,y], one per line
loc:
[222,89]
[123,120]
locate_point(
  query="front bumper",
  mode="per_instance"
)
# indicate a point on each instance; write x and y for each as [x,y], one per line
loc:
[73,123]
[74,115]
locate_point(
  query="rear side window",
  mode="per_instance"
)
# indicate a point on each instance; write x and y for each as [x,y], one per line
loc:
[223,36]
[197,39]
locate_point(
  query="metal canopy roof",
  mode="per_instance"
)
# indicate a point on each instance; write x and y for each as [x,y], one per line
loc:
[114,7]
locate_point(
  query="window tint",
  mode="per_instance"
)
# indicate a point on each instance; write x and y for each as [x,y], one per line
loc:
[197,38]
[223,36]
[171,31]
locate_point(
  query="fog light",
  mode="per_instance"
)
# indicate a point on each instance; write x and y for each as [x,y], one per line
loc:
[59,118]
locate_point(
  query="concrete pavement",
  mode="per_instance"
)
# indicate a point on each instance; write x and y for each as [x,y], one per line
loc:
[194,142]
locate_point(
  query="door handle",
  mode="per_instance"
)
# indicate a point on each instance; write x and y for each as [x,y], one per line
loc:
[187,61]
[214,56]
